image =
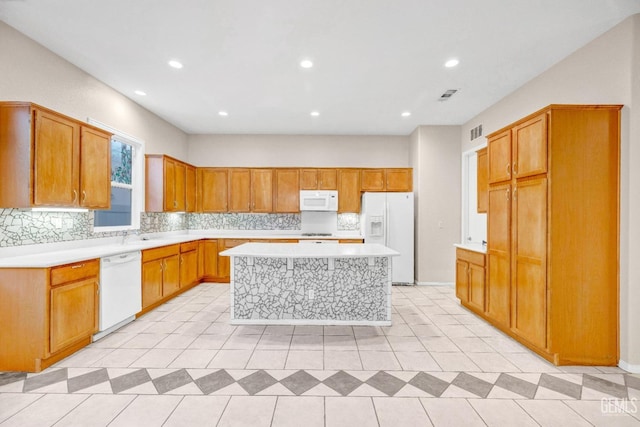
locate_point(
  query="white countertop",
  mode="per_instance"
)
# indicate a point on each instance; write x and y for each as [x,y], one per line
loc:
[304,250]
[475,247]
[50,255]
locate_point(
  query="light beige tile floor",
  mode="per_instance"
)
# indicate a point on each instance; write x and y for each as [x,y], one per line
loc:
[194,368]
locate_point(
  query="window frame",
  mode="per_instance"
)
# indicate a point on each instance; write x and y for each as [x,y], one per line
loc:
[137,177]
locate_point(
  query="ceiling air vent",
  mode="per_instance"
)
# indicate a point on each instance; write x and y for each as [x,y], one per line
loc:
[448,94]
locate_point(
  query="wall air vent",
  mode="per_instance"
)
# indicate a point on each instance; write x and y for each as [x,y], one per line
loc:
[448,94]
[476,132]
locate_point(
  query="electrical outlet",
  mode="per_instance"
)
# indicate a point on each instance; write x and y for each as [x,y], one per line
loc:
[311,294]
[440,224]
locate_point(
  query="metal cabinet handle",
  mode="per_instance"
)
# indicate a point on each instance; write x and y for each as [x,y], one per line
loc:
[75,196]
[514,193]
[84,196]
[515,170]
[77,266]
[507,194]
[509,169]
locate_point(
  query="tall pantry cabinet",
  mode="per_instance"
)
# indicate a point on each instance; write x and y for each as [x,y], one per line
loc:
[553,232]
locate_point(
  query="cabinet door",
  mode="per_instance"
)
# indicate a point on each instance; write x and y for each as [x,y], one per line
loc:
[190,188]
[372,180]
[95,169]
[209,255]
[212,189]
[477,279]
[529,275]
[327,179]
[399,179]
[482,182]
[498,250]
[309,179]
[151,282]
[56,161]
[530,147]
[262,190]
[287,190]
[188,268]
[73,313]
[462,280]
[499,149]
[239,190]
[170,203]
[170,275]
[180,187]
[349,190]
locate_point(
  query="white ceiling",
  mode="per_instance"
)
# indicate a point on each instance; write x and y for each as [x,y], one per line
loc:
[373,59]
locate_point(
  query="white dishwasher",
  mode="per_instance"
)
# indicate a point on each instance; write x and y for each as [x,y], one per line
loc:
[120,291]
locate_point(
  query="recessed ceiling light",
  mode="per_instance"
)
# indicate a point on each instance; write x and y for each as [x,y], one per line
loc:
[451,63]
[223,113]
[406,114]
[139,92]
[315,113]
[175,64]
[306,63]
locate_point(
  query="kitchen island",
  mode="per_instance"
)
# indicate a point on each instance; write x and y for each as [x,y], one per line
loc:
[310,284]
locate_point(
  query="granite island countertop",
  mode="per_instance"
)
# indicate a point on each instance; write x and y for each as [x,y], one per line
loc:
[305,250]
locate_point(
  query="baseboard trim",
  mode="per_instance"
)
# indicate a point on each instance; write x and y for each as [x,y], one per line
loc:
[434,283]
[634,369]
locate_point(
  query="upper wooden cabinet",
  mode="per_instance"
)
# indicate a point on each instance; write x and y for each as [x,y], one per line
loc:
[287,190]
[318,179]
[349,190]
[167,181]
[520,151]
[398,179]
[482,181]
[372,180]
[52,160]
[553,239]
[212,189]
[262,190]
[239,190]
[190,188]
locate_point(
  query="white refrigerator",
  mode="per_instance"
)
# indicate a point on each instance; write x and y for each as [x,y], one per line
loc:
[387,218]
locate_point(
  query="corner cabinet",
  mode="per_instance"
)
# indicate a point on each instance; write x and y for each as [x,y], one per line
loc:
[46,313]
[169,185]
[553,221]
[51,160]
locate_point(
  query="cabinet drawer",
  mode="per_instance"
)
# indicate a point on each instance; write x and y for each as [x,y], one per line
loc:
[188,246]
[161,252]
[471,256]
[76,271]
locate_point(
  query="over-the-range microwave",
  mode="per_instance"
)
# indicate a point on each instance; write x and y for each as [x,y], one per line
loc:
[319,200]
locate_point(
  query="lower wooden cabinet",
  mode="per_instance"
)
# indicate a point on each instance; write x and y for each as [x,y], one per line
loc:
[160,274]
[74,307]
[189,274]
[46,313]
[471,278]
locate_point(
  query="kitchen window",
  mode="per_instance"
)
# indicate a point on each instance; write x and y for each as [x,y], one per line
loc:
[127,155]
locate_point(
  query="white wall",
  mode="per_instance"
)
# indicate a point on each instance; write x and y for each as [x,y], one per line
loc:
[298,150]
[436,162]
[606,71]
[30,72]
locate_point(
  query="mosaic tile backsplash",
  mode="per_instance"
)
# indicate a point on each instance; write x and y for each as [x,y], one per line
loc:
[20,227]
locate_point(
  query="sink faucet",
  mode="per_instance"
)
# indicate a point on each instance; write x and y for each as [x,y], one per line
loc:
[126,234]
